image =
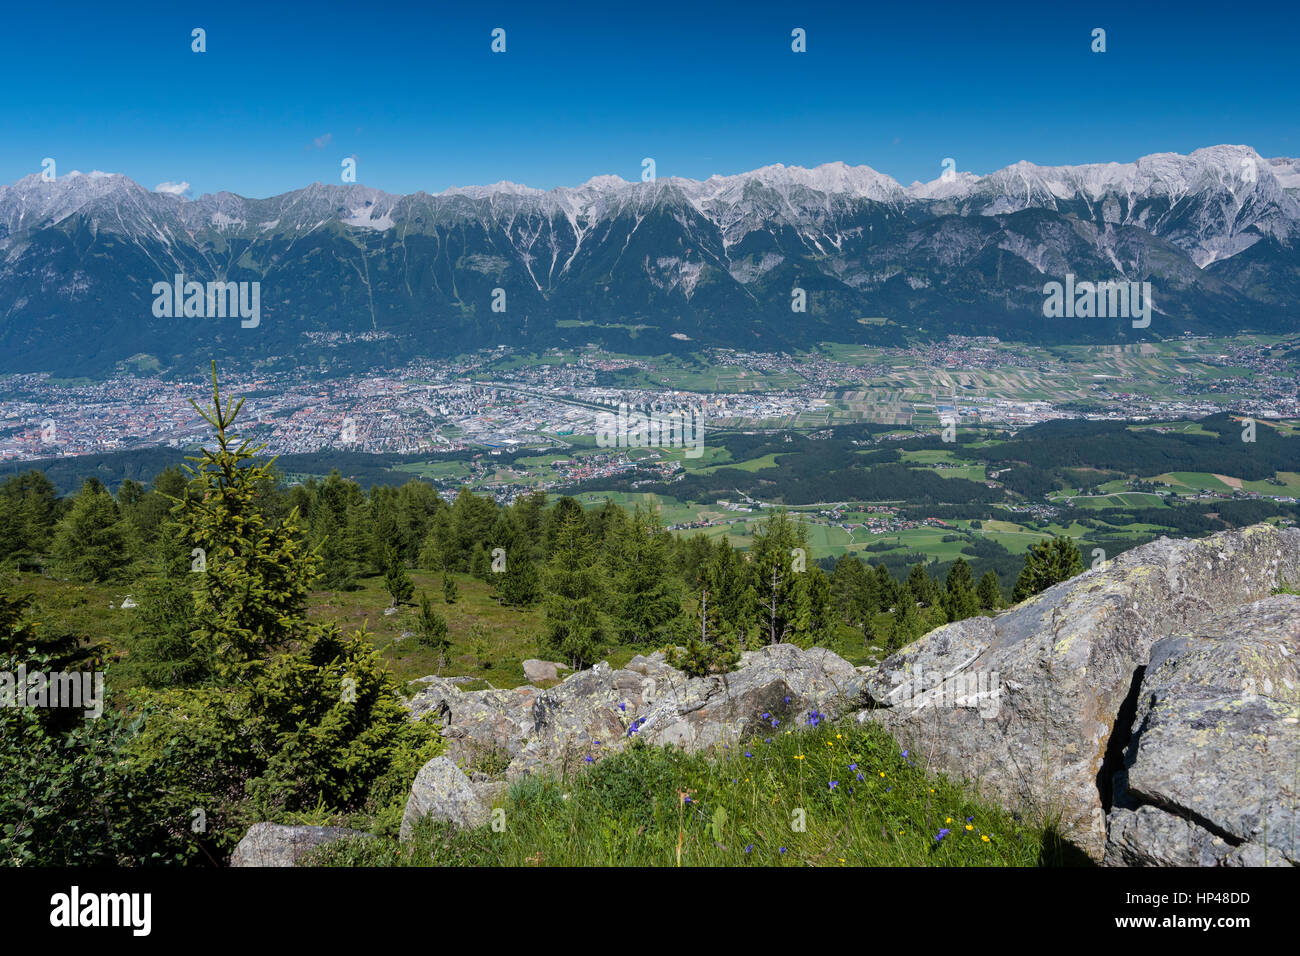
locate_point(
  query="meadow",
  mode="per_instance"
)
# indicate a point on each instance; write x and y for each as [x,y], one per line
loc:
[818,795]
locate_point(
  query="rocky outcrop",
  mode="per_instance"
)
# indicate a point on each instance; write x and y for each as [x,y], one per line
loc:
[1035,707]
[597,711]
[442,791]
[271,844]
[1210,772]
[1150,706]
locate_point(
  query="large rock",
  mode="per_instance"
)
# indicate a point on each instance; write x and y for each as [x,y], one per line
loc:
[443,792]
[484,729]
[1024,705]
[597,711]
[781,680]
[535,670]
[272,844]
[1209,774]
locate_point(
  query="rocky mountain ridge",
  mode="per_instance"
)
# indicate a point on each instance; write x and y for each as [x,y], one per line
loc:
[647,267]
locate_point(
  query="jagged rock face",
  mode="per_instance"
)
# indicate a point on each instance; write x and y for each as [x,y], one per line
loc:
[1210,771]
[1024,704]
[272,844]
[1216,232]
[597,711]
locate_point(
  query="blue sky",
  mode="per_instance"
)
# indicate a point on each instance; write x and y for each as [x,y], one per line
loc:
[286,90]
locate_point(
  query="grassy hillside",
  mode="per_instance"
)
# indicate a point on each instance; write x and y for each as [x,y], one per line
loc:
[93,612]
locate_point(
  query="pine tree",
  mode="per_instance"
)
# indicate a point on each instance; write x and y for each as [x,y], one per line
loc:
[576,626]
[565,509]
[923,587]
[1049,562]
[396,581]
[528,518]
[850,591]
[648,596]
[730,582]
[819,615]
[480,646]
[450,591]
[711,645]
[162,648]
[298,717]
[472,518]
[778,585]
[480,563]
[907,624]
[385,544]
[519,585]
[887,589]
[431,551]
[960,600]
[93,541]
[989,592]
[337,564]
[251,599]
[431,630]
[29,505]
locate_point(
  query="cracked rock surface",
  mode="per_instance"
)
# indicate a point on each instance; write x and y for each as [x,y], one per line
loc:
[1210,773]
[1065,664]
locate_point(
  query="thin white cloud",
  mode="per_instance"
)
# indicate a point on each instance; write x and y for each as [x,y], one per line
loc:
[175,189]
[320,142]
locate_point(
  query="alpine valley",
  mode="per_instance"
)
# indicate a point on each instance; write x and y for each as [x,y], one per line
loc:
[666,265]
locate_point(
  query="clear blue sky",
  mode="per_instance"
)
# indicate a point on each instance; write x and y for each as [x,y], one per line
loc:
[413,91]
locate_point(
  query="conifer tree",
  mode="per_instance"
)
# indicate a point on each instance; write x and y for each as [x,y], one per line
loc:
[711,644]
[648,597]
[576,626]
[960,600]
[29,507]
[923,587]
[431,630]
[93,541]
[907,624]
[396,581]
[777,589]
[989,592]
[163,650]
[251,599]
[1049,562]
[519,585]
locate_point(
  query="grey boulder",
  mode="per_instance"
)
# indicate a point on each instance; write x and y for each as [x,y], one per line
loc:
[599,710]
[1209,774]
[273,844]
[1024,705]
[443,792]
[535,670]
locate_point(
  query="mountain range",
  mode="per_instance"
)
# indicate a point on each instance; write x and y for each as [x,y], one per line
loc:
[669,264]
